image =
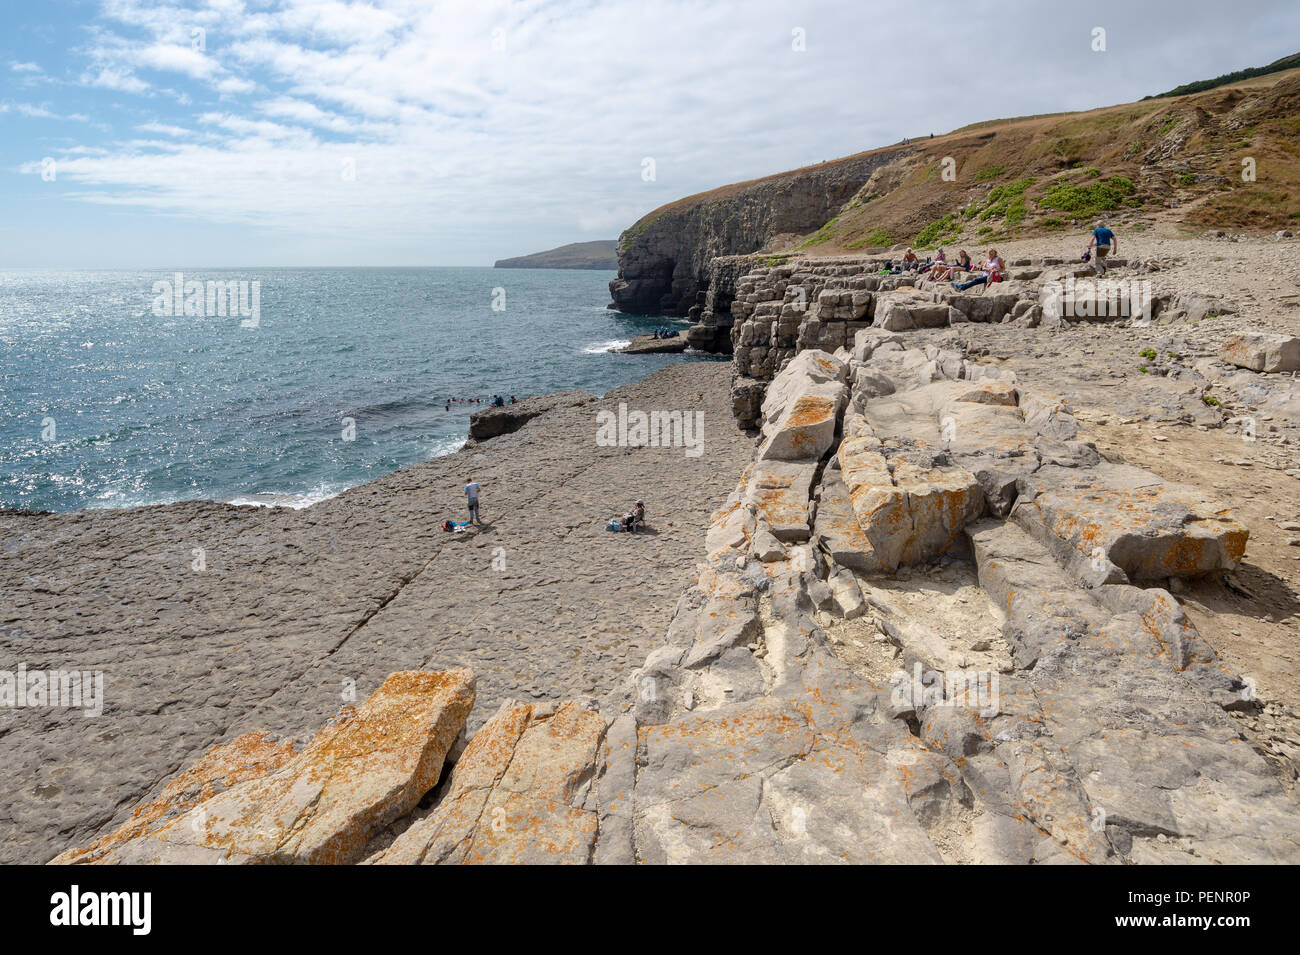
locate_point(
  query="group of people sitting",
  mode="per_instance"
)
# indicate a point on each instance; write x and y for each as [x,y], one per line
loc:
[665,333]
[497,401]
[939,269]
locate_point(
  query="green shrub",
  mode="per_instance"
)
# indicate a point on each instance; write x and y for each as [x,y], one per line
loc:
[1003,197]
[989,172]
[938,232]
[1017,211]
[1084,201]
[1148,353]
[1210,400]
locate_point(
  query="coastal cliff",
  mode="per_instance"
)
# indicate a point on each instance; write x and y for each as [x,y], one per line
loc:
[1175,161]
[663,259]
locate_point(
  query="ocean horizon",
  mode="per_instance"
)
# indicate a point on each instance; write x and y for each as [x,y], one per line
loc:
[278,386]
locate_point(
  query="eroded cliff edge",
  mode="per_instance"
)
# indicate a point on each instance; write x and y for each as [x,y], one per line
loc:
[663,259]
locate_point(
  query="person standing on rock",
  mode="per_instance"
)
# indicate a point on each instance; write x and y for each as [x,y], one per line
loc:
[1105,242]
[471,495]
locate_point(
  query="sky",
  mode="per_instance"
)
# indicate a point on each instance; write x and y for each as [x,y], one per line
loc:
[229,133]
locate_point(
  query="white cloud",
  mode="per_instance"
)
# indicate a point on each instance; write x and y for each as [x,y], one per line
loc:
[42,112]
[176,59]
[233,84]
[492,122]
[164,129]
[25,67]
[114,80]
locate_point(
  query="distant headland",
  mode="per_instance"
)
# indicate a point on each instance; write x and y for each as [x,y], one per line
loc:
[601,254]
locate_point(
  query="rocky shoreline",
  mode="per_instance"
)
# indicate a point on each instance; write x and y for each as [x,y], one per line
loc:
[297,613]
[902,606]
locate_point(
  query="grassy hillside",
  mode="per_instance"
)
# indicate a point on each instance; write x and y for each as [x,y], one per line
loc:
[1174,162]
[1177,162]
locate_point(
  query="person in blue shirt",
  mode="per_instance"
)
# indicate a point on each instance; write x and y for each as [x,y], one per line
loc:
[1105,242]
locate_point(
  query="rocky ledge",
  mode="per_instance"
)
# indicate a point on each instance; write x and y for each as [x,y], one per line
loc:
[649,345]
[493,422]
[931,623]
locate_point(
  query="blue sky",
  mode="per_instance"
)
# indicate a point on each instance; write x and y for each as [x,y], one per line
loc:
[393,132]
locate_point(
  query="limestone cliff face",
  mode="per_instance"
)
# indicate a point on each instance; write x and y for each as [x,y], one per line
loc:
[663,259]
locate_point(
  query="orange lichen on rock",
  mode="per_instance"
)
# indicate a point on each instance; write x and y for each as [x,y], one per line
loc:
[516,794]
[321,806]
[246,757]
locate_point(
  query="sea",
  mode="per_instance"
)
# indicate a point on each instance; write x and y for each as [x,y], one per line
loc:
[278,386]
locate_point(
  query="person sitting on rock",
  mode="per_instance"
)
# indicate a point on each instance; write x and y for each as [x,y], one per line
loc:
[990,272]
[938,263]
[948,272]
[635,517]
[910,261]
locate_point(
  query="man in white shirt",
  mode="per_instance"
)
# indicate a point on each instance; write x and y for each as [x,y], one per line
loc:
[471,495]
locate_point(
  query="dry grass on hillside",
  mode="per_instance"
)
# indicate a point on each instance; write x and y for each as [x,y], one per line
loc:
[1173,162]
[1170,161]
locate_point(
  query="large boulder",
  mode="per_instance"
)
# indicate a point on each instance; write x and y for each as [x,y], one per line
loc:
[250,756]
[652,345]
[809,372]
[1114,517]
[779,492]
[357,775]
[1261,351]
[867,340]
[985,304]
[802,407]
[805,430]
[905,309]
[1129,710]
[908,513]
[516,794]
